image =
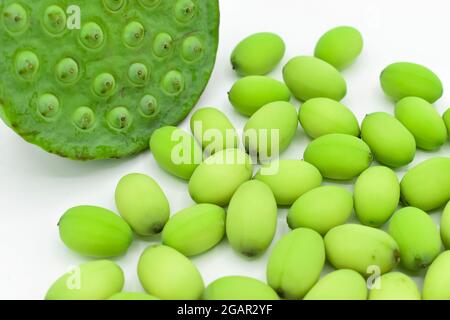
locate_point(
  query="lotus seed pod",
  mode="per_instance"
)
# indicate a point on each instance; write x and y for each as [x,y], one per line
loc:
[195,230]
[404,79]
[95,232]
[339,285]
[436,285]
[213,130]
[321,209]
[271,129]
[447,121]
[309,77]
[283,177]
[95,280]
[251,93]
[423,121]
[219,176]
[445,226]
[167,274]
[258,54]
[239,288]
[176,151]
[142,204]
[322,116]
[395,286]
[360,248]
[295,263]
[117,55]
[427,185]
[391,143]
[133,296]
[251,218]
[339,156]
[376,195]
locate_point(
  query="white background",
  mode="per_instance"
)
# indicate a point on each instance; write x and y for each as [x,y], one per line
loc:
[36,188]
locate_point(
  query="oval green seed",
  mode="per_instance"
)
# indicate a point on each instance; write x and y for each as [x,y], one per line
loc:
[92,36]
[149,106]
[48,106]
[15,18]
[185,10]
[119,118]
[26,64]
[251,93]
[104,85]
[67,70]
[391,143]
[339,156]
[167,274]
[84,118]
[133,34]
[395,286]
[162,45]
[446,118]
[173,82]
[309,77]
[239,288]
[142,203]
[138,74]
[133,296]
[436,285]
[193,49]
[445,226]
[55,19]
[258,54]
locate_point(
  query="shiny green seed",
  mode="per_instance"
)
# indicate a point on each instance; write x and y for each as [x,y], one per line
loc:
[104,85]
[48,105]
[119,118]
[148,106]
[162,45]
[138,73]
[15,17]
[91,35]
[67,70]
[133,34]
[184,10]
[239,288]
[173,82]
[192,48]
[27,64]
[84,118]
[55,19]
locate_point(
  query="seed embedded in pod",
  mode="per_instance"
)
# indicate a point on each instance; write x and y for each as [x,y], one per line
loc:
[67,70]
[151,4]
[84,118]
[104,84]
[15,18]
[55,19]
[91,35]
[27,64]
[114,5]
[149,106]
[119,118]
[173,82]
[48,106]
[192,48]
[138,73]
[162,45]
[184,10]
[133,34]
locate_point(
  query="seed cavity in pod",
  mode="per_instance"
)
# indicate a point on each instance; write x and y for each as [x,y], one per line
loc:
[148,106]
[114,5]
[192,48]
[104,85]
[151,4]
[184,10]
[15,18]
[48,106]
[173,82]
[162,45]
[84,118]
[67,70]
[55,19]
[119,118]
[27,64]
[138,73]
[91,35]
[133,34]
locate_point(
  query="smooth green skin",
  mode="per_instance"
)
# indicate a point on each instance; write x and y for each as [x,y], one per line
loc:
[436,285]
[427,185]
[321,209]
[292,179]
[295,263]
[338,156]
[215,129]
[251,218]
[133,296]
[249,94]
[167,274]
[339,285]
[358,247]
[195,230]
[446,118]
[404,79]
[390,141]
[376,195]
[417,236]
[322,116]
[239,288]
[170,146]
[258,54]
[95,232]
[309,77]
[395,286]
[277,117]
[340,46]
[95,280]
[114,56]
[219,176]
[142,204]
[423,121]
[445,226]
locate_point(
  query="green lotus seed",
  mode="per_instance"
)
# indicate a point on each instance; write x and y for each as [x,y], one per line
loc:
[395,286]
[104,85]
[91,35]
[27,64]
[162,45]
[48,105]
[239,288]
[67,70]
[445,226]
[134,34]
[447,121]
[436,285]
[138,74]
[114,5]
[192,48]
[15,18]
[151,4]
[55,19]
[119,118]
[148,106]
[173,82]
[84,118]
[184,10]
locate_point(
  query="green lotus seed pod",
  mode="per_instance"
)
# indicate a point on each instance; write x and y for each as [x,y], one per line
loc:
[258,54]
[339,156]
[418,251]
[251,218]
[176,151]
[404,79]
[141,202]
[436,285]
[391,143]
[195,230]
[340,46]
[423,121]
[376,195]
[219,176]
[15,18]
[445,226]
[427,185]
[395,286]
[133,296]
[322,116]
[271,129]
[295,263]
[361,248]
[447,120]
[213,130]
[321,209]
[167,274]
[283,177]
[339,285]
[251,93]
[95,280]
[239,288]
[309,77]
[54,20]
